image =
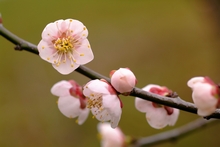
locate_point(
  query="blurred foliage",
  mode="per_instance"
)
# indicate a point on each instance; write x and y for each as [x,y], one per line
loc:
[163,42]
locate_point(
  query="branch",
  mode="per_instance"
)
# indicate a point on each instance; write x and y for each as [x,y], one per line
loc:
[172,135]
[136,92]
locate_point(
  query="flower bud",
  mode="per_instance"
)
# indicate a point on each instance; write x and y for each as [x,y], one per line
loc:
[205,95]
[123,80]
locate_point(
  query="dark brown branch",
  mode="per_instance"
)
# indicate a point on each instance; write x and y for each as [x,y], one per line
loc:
[173,134]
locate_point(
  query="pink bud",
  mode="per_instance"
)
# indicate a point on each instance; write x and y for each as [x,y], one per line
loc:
[123,80]
[205,95]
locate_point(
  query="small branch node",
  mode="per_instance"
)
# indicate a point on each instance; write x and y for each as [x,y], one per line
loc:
[18,48]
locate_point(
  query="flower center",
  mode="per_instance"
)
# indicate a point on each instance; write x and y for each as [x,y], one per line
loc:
[64,45]
[95,103]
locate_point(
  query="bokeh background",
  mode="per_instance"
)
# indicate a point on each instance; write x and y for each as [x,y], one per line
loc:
[162,42]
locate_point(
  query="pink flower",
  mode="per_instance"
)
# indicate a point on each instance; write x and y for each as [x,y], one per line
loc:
[158,116]
[205,95]
[64,44]
[111,137]
[71,102]
[103,101]
[123,80]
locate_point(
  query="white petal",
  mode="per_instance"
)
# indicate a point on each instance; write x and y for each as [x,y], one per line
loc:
[84,113]
[203,99]
[195,80]
[148,87]
[46,51]
[62,25]
[101,115]
[110,137]
[97,86]
[50,32]
[83,53]
[157,118]
[78,29]
[65,68]
[142,105]
[69,106]
[173,117]
[113,106]
[61,88]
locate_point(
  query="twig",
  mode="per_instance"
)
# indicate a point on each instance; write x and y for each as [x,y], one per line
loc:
[172,102]
[173,134]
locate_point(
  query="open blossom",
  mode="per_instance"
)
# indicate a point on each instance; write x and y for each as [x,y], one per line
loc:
[71,102]
[205,95]
[64,44]
[110,137]
[158,116]
[103,101]
[123,80]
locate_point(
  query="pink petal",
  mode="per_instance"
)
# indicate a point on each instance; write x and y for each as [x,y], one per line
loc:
[84,113]
[77,28]
[50,32]
[173,117]
[203,99]
[46,51]
[142,105]
[83,53]
[157,118]
[112,104]
[61,88]
[69,106]
[65,68]
[62,25]
[195,80]
[97,86]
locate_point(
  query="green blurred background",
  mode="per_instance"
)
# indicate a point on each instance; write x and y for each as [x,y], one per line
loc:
[162,42]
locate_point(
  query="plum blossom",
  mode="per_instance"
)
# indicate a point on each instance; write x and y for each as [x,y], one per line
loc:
[205,95]
[64,44]
[158,116]
[103,101]
[123,80]
[71,102]
[110,137]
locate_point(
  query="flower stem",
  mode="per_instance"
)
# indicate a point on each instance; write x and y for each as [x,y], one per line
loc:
[20,43]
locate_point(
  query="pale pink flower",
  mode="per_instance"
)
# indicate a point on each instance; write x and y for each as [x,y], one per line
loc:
[71,102]
[111,137]
[158,116]
[205,95]
[64,44]
[123,80]
[103,101]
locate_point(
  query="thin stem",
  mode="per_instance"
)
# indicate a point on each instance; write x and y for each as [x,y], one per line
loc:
[172,102]
[173,134]
[20,43]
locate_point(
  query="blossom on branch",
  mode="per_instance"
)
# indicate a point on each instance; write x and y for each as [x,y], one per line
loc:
[110,137]
[103,101]
[123,80]
[205,95]
[71,102]
[158,116]
[64,44]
